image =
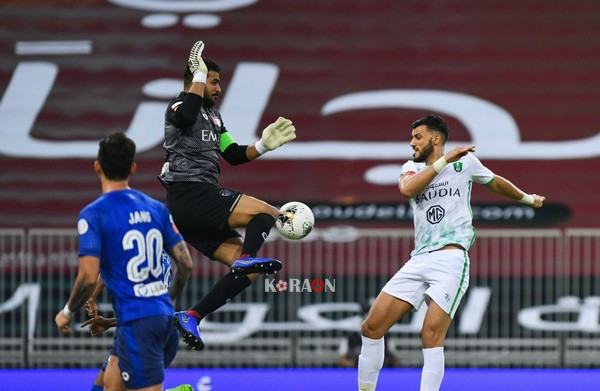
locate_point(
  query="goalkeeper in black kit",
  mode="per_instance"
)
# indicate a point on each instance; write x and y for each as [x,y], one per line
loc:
[206,214]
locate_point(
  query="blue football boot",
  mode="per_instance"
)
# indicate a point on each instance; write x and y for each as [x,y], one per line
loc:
[188,328]
[249,265]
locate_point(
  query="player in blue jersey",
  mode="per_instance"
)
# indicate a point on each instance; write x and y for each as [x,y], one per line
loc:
[121,237]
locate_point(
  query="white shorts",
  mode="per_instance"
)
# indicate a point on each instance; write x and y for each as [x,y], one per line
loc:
[442,275]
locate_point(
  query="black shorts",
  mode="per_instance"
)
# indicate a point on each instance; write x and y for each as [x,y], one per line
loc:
[200,211]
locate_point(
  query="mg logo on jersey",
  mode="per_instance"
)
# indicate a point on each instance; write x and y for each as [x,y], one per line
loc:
[435,214]
[458,166]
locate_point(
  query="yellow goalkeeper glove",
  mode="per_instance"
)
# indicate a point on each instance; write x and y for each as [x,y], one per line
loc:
[280,132]
[196,63]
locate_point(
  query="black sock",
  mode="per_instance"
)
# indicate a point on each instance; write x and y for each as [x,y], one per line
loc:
[226,288]
[257,231]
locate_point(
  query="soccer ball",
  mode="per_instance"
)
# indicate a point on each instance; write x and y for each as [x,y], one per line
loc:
[295,220]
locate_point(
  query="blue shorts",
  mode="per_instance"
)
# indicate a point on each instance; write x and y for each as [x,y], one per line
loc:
[145,347]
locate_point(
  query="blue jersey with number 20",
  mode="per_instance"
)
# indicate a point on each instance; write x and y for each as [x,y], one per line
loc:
[127,231]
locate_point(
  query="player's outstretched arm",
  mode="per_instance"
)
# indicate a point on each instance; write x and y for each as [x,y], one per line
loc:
[89,269]
[183,261]
[506,188]
[411,184]
[276,134]
[183,113]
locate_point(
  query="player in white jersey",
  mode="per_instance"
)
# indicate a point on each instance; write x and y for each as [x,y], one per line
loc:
[438,186]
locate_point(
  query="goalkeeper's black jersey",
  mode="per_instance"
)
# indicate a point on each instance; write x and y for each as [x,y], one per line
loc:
[193,153]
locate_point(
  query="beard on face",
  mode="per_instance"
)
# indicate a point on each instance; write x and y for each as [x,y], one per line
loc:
[208,101]
[424,154]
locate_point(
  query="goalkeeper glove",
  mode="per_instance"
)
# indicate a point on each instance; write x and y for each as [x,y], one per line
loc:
[275,135]
[196,63]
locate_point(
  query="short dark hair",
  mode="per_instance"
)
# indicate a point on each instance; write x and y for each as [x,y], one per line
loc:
[433,123]
[115,156]
[188,75]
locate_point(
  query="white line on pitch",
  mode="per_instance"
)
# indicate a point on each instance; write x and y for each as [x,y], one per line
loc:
[29,48]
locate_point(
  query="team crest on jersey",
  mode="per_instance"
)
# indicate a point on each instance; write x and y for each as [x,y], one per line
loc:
[205,116]
[82,226]
[458,166]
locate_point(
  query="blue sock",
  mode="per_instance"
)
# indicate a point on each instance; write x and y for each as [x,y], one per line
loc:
[97,388]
